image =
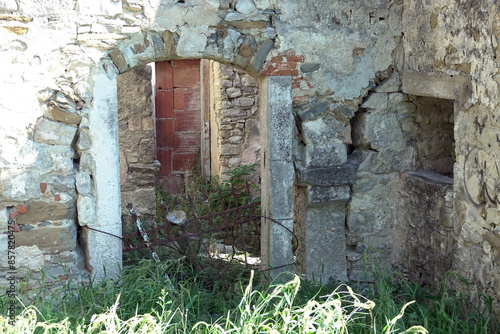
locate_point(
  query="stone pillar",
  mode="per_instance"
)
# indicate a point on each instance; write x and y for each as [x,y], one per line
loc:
[104,252]
[323,220]
[277,174]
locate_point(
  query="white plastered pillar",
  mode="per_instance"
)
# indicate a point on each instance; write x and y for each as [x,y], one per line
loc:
[103,251]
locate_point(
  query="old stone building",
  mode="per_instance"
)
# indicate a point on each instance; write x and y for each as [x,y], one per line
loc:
[379,128]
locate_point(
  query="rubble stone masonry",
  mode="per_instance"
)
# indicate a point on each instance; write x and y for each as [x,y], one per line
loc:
[372,90]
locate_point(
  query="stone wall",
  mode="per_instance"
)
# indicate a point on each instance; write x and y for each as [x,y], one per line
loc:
[235,119]
[138,166]
[455,48]
[425,238]
[342,116]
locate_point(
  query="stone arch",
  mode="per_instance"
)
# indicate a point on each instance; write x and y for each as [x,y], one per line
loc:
[101,210]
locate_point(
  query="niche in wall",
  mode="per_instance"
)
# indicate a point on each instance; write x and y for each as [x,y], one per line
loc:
[432,134]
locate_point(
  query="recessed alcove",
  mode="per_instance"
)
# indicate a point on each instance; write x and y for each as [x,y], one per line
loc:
[432,135]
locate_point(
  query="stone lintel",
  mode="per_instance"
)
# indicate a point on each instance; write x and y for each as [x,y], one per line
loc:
[439,85]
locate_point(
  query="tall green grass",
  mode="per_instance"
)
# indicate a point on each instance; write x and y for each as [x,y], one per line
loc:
[241,301]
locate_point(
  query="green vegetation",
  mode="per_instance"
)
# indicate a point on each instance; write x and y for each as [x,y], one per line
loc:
[240,301]
[215,295]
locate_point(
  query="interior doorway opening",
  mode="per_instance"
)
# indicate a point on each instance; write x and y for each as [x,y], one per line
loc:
[207,120]
[187,124]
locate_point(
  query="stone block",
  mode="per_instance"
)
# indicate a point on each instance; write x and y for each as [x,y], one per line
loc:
[245,7]
[110,8]
[119,61]
[17,186]
[233,112]
[376,101]
[191,43]
[170,44]
[282,176]
[391,85]
[280,118]
[324,155]
[378,131]
[371,208]
[325,241]
[8,5]
[230,149]
[280,249]
[83,142]
[261,55]
[233,92]
[55,133]
[83,183]
[87,163]
[29,257]
[50,237]
[432,84]
[86,210]
[327,176]
[329,194]
[41,211]
[63,111]
[245,102]
[310,67]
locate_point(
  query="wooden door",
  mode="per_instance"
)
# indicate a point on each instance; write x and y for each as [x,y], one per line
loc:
[178,120]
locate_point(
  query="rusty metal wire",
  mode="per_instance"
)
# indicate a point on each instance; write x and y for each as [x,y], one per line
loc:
[232,233]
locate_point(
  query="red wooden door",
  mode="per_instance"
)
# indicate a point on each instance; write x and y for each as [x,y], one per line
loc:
[178,120]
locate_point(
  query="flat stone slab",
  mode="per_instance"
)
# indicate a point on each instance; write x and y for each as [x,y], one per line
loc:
[430,177]
[327,176]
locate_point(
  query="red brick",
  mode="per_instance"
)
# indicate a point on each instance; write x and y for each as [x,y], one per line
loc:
[290,65]
[186,63]
[183,161]
[186,77]
[188,121]
[277,59]
[14,228]
[164,156]
[187,142]
[187,99]
[163,73]
[22,208]
[13,214]
[57,198]
[164,101]
[295,73]
[164,133]
[267,70]
[285,72]
[298,59]
[43,187]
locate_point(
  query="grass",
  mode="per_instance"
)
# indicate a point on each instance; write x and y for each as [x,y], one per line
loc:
[241,301]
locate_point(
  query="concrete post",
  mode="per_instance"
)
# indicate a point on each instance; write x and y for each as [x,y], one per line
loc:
[277,174]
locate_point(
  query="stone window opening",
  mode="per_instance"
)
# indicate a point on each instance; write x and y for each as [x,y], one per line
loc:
[433,134]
